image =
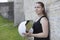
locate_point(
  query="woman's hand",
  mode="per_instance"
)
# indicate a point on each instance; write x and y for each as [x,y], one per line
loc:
[29,34]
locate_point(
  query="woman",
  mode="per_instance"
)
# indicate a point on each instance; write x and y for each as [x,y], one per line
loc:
[40,27]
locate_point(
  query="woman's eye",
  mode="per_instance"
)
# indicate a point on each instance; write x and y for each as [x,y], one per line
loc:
[37,7]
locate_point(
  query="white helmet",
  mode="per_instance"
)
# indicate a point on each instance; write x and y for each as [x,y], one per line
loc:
[23,26]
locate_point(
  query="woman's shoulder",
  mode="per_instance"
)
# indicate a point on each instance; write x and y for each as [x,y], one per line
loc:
[44,19]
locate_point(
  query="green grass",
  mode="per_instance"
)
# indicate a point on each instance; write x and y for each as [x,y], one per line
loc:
[8,31]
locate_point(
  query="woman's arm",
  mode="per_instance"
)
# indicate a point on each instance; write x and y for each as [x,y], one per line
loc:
[44,34]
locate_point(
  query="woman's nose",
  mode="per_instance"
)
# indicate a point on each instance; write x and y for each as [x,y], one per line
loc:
[36,9]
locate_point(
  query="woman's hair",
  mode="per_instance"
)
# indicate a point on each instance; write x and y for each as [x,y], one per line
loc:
[42,5]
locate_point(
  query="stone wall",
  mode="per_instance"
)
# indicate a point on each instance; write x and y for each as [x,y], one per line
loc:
[54,12]
[4,11]
[18,12]
[7,10]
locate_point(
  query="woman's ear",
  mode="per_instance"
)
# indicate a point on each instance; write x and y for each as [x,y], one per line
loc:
[43,9]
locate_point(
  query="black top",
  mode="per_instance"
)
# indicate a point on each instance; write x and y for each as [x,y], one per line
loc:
[37,28]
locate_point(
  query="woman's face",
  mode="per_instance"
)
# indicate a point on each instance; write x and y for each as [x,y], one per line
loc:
[38,8]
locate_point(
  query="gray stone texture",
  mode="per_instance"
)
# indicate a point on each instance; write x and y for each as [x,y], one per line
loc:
[7,10]
[18,12]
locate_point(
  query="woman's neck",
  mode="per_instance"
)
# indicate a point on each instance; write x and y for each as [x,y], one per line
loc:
[40,15]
